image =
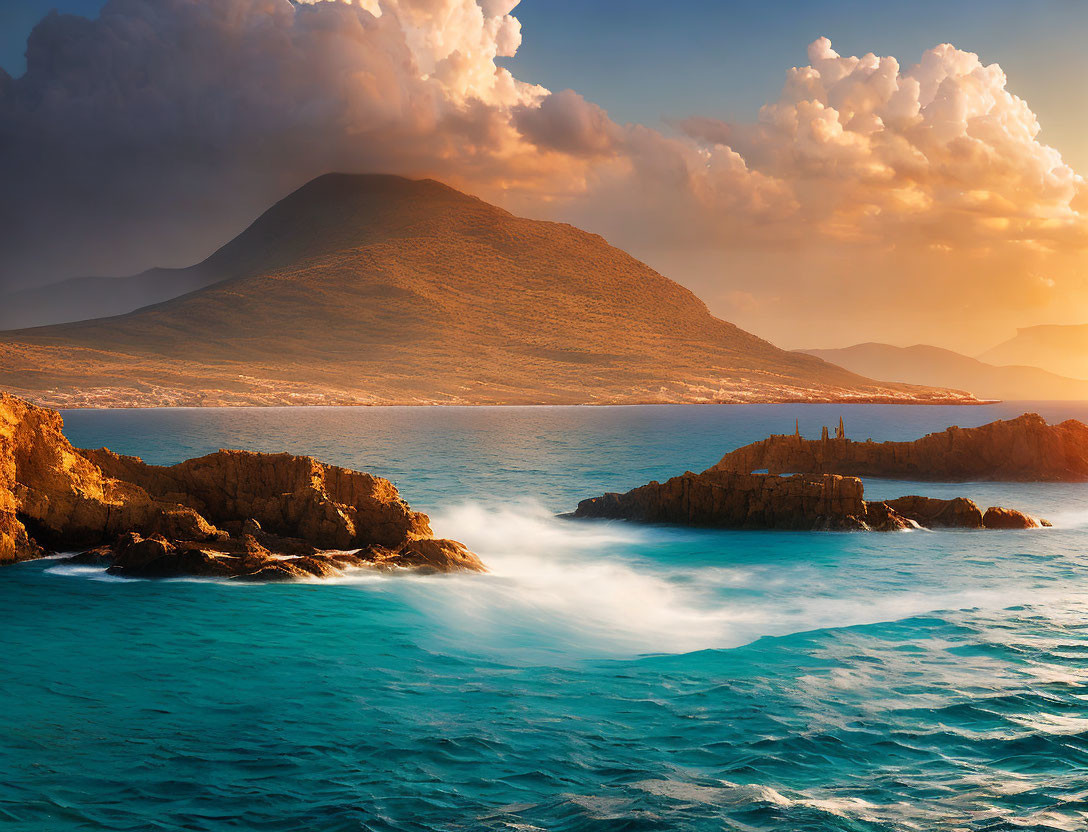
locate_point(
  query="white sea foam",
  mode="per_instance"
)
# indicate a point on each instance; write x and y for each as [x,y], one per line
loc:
[1070,519]
[587,583]
[601,587]
[94,573]
[582,580]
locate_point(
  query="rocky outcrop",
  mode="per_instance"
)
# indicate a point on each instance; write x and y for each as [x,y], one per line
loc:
[248,558]
[289,496]
[933,513]
[1010,518]
[739,501]
[824,502]
[229,514]
[1025,449]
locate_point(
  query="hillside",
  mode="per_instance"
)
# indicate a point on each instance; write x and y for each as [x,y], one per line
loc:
[922,364]
[381,290]
[1060,349]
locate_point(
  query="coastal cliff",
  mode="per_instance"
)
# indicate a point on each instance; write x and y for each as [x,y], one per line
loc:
[801,502]
[1024,449]
[228,514]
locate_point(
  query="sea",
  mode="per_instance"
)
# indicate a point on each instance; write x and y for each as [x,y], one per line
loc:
[601,676]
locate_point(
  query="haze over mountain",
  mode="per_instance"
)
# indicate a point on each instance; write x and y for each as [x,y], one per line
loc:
[923,364]
[1060,349]
[80,298]
[378,290]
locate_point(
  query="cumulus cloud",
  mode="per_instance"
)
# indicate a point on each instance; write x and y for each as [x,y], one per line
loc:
[158,130]
[943,146]
[926,203]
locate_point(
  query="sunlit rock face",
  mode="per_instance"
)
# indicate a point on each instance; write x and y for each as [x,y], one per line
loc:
[733,500]
[801,502]
[1024,449]
[228,514]
[825,491]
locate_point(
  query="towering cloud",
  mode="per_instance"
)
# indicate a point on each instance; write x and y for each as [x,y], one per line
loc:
[943,148]
[149,134]
[156,131]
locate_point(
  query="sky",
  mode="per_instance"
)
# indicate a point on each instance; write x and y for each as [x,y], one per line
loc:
[647,61]
[816,209]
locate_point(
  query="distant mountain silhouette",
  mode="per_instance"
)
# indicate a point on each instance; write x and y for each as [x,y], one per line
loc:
[79,298]
[1060,349]
[923,364]
[283,235]
[379,289]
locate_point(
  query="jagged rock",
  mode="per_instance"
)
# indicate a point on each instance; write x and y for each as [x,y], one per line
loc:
[1009,518]
[881,517]
[288,496]
[134,553]
[820,502]
[933,513]
[51,496]
[100,556]
[1024,449]
[245,559]
[228,514]
[740,501]
[274,572]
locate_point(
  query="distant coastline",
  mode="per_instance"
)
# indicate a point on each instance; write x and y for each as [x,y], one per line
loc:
[61,404]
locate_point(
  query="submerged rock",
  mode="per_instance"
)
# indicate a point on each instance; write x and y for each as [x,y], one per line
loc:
[229,514]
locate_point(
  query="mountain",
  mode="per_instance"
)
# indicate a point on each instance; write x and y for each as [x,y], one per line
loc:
[279,238]
[380,290]
[1060,349]
[923,364]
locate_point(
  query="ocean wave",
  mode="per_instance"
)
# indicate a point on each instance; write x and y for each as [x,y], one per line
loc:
[614,588]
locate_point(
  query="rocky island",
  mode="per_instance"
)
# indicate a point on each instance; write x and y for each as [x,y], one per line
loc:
[824,491]
[801,502]
[1024,449]
[231,514]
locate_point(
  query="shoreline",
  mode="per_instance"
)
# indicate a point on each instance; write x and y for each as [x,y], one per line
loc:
[880,401]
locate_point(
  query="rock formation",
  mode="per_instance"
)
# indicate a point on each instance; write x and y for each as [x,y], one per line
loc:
[1009,518]
[1024,449]
[230,514]
[933,513]
[826,502]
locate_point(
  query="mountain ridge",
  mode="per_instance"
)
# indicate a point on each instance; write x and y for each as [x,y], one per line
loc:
[926,364]
[1059,348]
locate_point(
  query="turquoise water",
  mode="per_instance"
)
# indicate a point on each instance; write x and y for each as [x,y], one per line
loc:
[602,677]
